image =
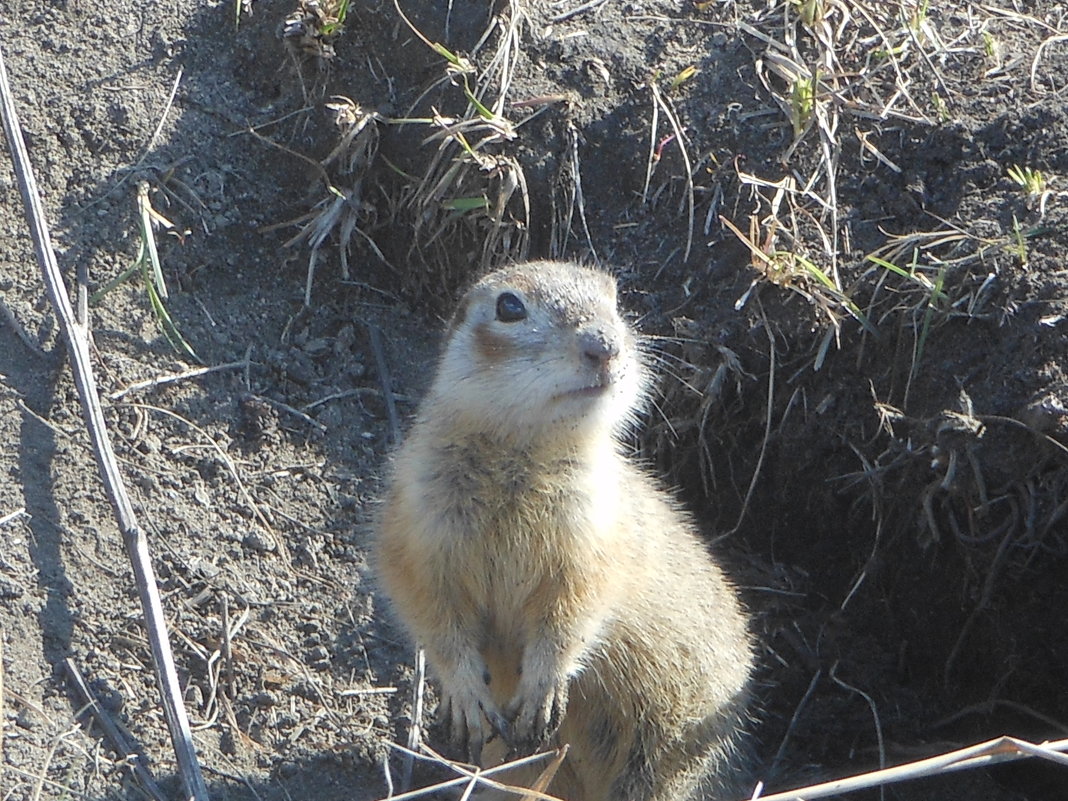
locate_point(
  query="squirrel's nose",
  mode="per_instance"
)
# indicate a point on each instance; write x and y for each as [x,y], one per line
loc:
[599,346]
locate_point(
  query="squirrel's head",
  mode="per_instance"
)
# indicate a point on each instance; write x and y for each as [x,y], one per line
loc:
[540,349]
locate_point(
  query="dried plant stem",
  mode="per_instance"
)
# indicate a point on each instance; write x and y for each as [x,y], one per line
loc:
[386,381]
[133,536]
[680,141]
[122,747]
[2,716]
[172,378]
[415,731]
[1001,749]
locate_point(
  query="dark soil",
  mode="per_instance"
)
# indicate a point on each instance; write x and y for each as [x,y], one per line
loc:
[892,497]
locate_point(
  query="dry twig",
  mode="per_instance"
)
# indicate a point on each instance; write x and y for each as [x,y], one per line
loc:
[133,536]
[172,378]
[477,777]
[1001,749]
[122,746]
[1,698]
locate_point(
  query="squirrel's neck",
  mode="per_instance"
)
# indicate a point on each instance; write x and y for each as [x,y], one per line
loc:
[574,442]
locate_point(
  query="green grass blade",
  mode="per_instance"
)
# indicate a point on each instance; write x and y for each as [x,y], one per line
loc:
[125,275]
[170,330]
[928,315]
[465,203]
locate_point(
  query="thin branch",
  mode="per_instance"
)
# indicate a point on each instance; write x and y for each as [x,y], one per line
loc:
[1002,749]
[133,537]
[582,9]
[13,516]
[118,740]
[386,381]
[172,378]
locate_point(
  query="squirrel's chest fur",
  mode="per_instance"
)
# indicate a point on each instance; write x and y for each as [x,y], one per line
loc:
[515,538]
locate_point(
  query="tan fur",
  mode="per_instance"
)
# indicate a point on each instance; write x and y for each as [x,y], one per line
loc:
[543,571]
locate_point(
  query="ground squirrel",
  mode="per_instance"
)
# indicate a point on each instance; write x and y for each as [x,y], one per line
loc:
[560,593]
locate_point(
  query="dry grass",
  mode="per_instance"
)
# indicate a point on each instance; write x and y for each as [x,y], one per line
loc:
[844,79]
[471,204]
[831,66]
[343,213]
[839,71]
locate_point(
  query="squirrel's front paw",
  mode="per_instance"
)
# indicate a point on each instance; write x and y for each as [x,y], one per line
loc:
[536,713]
[466,714]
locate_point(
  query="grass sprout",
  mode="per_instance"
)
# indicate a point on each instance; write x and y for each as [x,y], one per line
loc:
[1019,242]
[147,264]
[312,29]
[802,104]
[342,213]
[1034,185]
[918,17]
[991,47]
[682,77]
[941,108]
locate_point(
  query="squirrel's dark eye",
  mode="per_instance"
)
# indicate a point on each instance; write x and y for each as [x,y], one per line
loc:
[510,309]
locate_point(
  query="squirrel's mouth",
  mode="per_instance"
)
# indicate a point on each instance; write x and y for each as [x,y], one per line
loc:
[589,391]
[594,384]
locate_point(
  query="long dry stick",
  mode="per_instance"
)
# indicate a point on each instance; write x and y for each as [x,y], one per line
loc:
[118,740]
[2,716]
[171,378]
[1002,749]
[133,537]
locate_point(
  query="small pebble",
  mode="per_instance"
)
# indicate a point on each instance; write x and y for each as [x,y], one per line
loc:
[257,541]
[319,656]
[264,699]
[287,769]
[27,719]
